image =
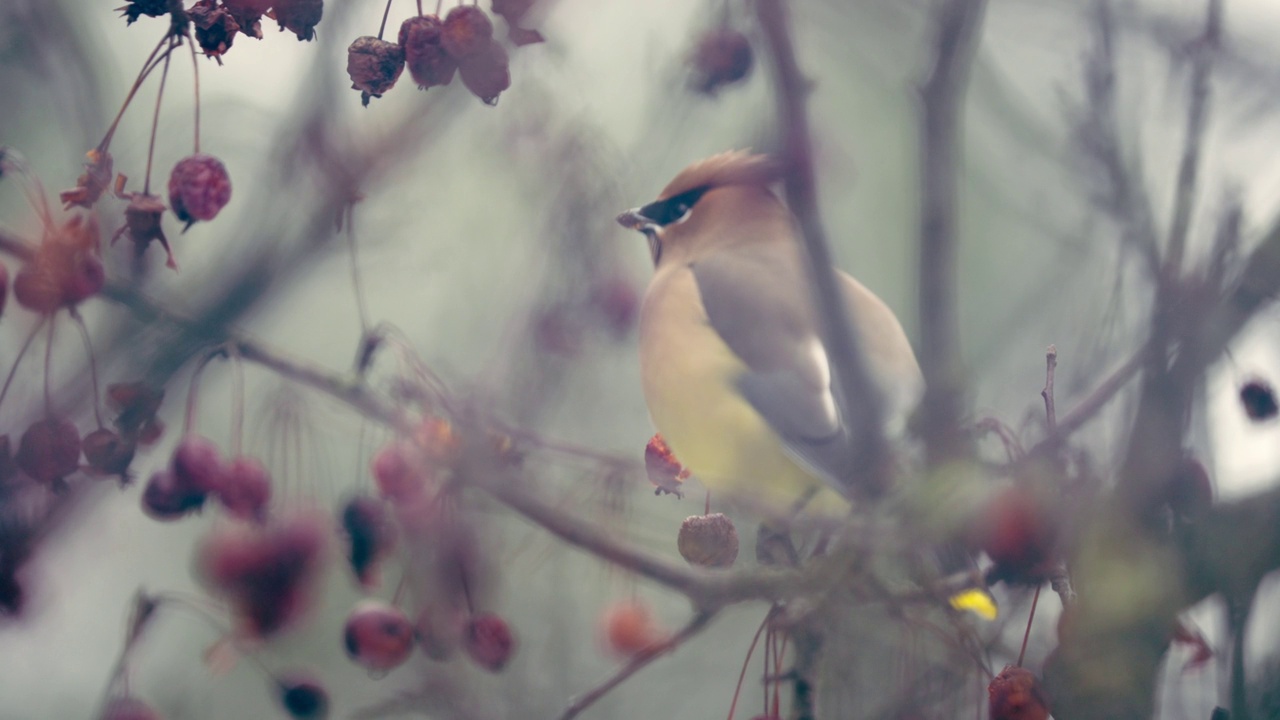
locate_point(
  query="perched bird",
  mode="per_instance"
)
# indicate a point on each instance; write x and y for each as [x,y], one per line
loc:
[736,375]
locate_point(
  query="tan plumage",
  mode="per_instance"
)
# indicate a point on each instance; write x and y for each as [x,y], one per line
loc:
[734,371]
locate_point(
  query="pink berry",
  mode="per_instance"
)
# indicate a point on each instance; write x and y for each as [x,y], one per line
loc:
[129,708]
[400,471]
[429,63]
[245,490]
[197,464]
[467,31]
[49,450]
[165,498]
[199,188]
[489,641]
[378,635]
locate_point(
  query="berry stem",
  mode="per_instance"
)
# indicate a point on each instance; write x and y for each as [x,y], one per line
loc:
[382,28]
[1027,635]
[419,8]
[189,422]
[48,362]
[195,69]
[26,344]
[768,655]
[147,66]
[93,365]
[747,661]
[155,121]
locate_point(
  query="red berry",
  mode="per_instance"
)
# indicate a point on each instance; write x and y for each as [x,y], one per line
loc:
[722,57]
[1015,694]
[489,641]
[1019,534]
[629,628]
[197,464]
[373,65]
[299,16]
[166,498]
[369,533]
[49,450]
[199,187]
[400,471]
[129,708]
[486,72]
[708,540]
[429,63]
[378,636]
[303,698]
[267,574]
[107,452]
[245,489]
[467,31]
[36,289]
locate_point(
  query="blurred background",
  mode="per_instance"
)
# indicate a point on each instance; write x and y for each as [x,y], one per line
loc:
[486,236]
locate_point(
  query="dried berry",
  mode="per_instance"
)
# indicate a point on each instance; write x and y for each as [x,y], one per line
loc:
[722,57]
[629,629]
[298,16]
[135,9]
[92,183]
[142,222]
[135,405]
[486,72]
[1259,400]
[107,452]
[430,65]
[664,471]
[708,540]
[1015,694]
[129,708]
[467,31]
[199,188]
[245,489]
[165,498]
[49,450]
[1019,535]
[489,641]
[378,636]
[373,65]
[267,574]
[369,534]
[303,698]
[215,27]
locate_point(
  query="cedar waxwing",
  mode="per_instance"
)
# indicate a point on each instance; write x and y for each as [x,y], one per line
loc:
[735,373]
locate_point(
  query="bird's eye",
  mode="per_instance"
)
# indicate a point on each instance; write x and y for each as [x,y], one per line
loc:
[673,209]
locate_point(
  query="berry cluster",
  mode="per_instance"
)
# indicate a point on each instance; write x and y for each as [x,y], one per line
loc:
[435,50]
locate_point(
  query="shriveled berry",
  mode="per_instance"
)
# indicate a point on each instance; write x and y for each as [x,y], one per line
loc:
[467,31]
[378,636]
[92,183]
[486,72]
[722,57]
[1259,400]
[489,641]
[303,698]
[369,535]
[629,628]
[199,187]
[165,498]
[429,63]
[135,9]
[142,223]
[215,27]
[1015,694]
[49,450]
[245,489]
[107,452]
[373,65]
[197,464]
[266,574]
[708,540]
[36,289]
[664,471]
[298,16]
[247,14]
[129,708]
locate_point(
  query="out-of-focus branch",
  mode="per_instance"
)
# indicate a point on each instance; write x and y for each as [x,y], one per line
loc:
[1184,199]
[942,105]
[696,625]
[849,371]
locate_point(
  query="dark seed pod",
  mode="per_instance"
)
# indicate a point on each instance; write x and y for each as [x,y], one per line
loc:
[373,65]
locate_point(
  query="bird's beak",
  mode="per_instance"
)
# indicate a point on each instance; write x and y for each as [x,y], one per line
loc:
[634,220]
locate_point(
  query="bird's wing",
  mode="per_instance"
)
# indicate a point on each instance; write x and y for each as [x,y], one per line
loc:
[755,299]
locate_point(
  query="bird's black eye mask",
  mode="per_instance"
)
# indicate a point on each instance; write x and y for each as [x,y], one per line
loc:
[673,209]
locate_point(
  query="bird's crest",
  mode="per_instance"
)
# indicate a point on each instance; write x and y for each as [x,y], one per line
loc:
[735,167]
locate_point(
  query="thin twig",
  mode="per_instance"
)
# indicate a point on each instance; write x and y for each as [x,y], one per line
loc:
[581,703]
[1051,364]
[942,104]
